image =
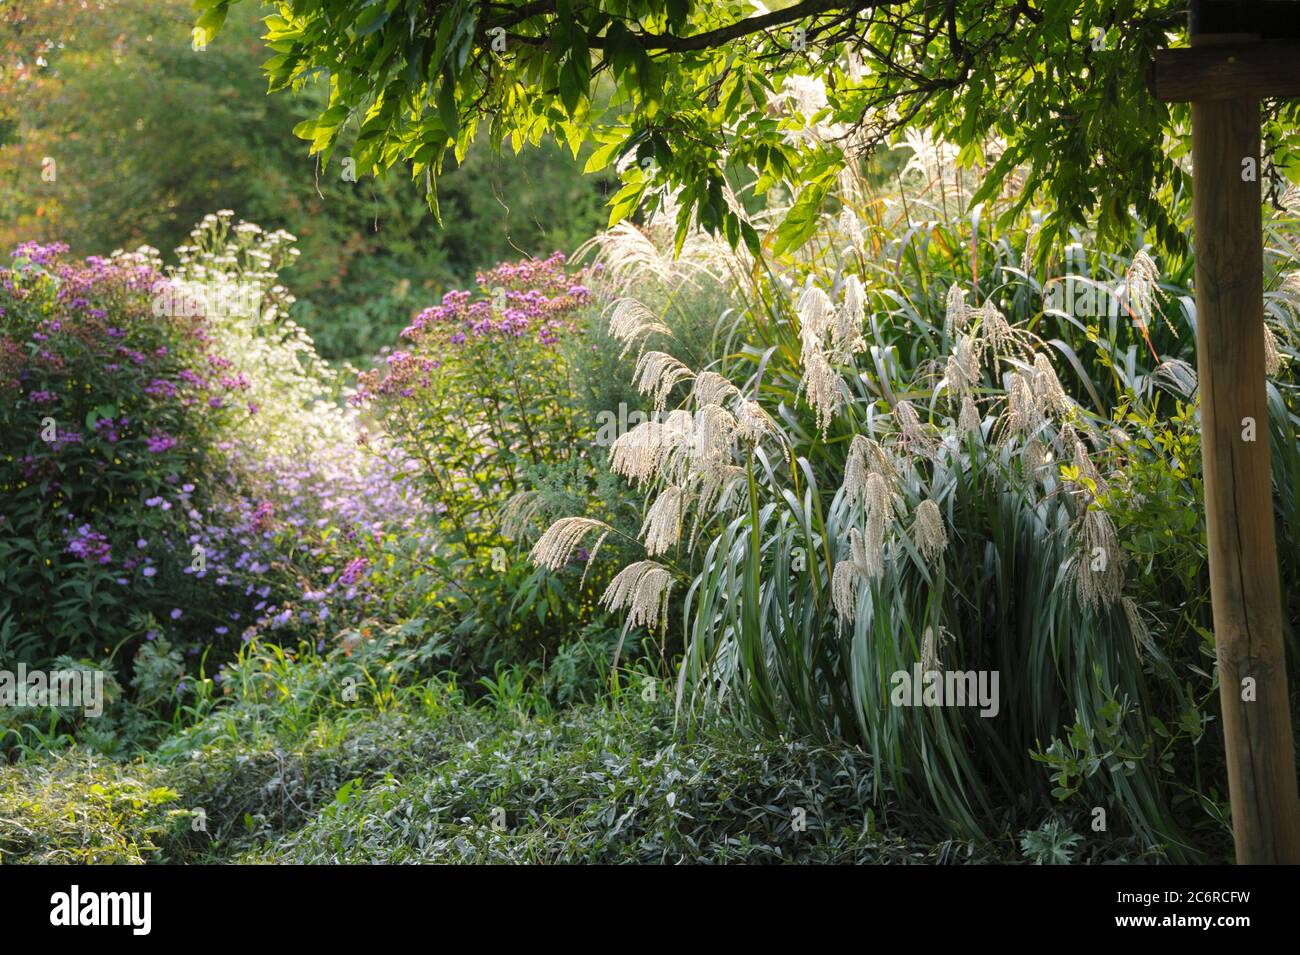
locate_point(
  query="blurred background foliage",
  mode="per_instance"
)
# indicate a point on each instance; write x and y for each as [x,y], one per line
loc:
[148,134]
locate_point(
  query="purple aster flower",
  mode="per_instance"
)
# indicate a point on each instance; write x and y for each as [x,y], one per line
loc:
[160,442]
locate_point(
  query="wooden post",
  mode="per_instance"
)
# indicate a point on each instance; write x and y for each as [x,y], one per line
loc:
[1226,201]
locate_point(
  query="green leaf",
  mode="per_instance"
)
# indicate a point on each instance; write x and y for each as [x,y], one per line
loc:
[801,221]
[625,201]
[574,84]
[448,110]
[212,20]
[602,157]
[371,20]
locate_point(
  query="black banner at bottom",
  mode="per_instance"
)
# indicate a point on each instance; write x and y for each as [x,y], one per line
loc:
[339,905]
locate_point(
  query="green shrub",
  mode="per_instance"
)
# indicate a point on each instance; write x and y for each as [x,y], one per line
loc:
[353,757]
[615,783]
[181,475]
[610,786]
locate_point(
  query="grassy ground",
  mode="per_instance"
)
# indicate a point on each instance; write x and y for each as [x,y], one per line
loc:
[301,763]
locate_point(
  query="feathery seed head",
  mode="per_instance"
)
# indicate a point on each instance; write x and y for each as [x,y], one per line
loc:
[631,321]
[880,498]
[963,366]
[646,451]
[847,333]
[931,643]
[1272,354]
[1136,625]
[821,385]
[1066,438]
[957,311]
[866,457]
[519,513]
[716,487]
[1097,569]
[1141,285]
[848,225]
[662,526]
[656,373]
[844,588]
[863,563]
[1034,456]
[816,316]
[715,435]
[1290,199]
[1289,291]
[555,547]
[928,533]
[642,589]
[1023,415]
[999,335]
[752,422]
[909,424]
[1026,256]
[712,388]
[1047,387]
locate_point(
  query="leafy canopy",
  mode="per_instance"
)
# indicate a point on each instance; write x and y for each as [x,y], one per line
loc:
[683,93]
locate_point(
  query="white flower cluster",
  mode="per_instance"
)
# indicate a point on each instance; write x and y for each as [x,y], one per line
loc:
[292,401]
[292,395]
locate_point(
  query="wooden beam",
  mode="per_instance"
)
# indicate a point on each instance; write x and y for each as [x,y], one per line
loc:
[1244,583]
[1262,19]
[1217,72]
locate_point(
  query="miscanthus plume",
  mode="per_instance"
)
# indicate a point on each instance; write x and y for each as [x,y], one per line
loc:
[642,589]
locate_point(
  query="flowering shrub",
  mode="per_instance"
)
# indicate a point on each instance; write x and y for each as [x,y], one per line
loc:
[479,399]
[108,412]
[307,511]
[484,384]
[229,271]
[158,489]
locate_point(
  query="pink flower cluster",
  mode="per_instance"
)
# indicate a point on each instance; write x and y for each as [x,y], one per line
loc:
[79,296]
[529,295]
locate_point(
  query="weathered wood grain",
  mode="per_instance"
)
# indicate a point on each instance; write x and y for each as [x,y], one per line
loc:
[1238,480]
[1216,72]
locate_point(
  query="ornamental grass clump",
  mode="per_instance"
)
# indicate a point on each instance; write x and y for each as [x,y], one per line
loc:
[940,481]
